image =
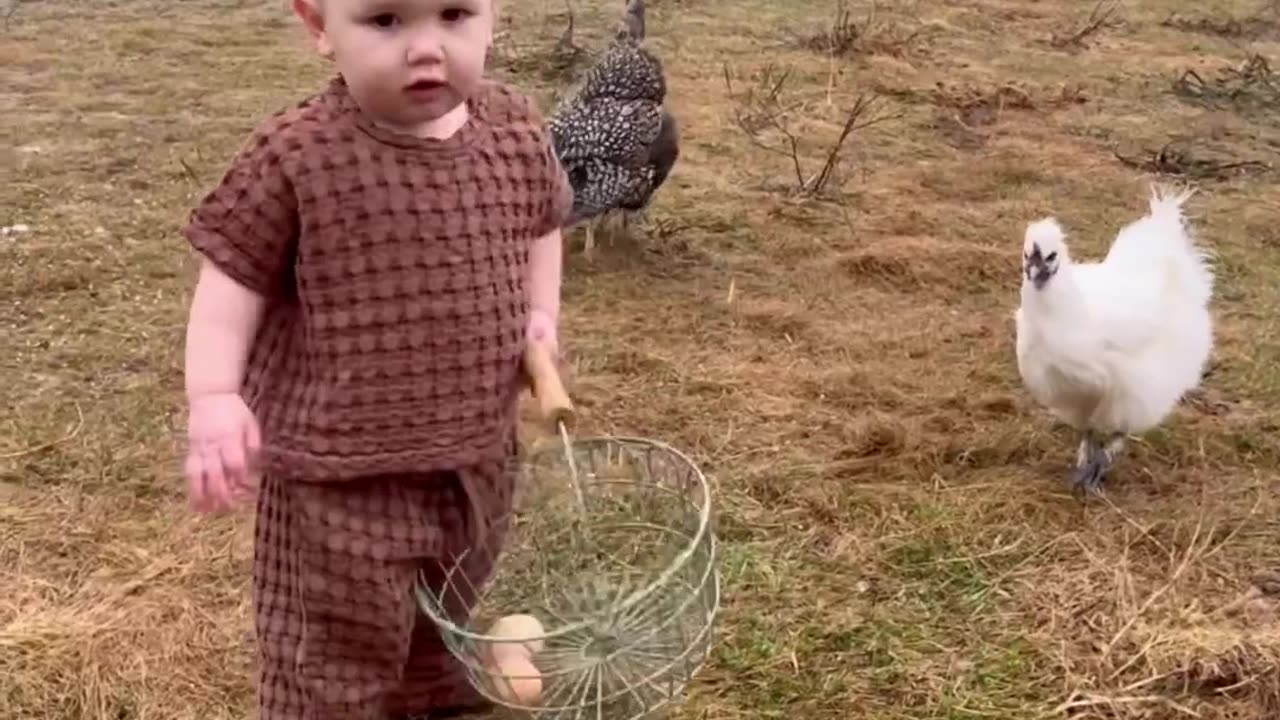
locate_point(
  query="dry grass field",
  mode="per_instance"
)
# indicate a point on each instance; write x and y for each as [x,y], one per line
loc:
[835,349]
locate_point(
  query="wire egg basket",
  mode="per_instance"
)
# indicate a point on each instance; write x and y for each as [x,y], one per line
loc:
[610,547]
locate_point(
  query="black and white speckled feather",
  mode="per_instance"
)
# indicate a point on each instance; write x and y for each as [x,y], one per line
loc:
[627,71]
[612,133]
[606,129]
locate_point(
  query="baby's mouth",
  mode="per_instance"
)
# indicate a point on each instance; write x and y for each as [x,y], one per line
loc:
[425,85]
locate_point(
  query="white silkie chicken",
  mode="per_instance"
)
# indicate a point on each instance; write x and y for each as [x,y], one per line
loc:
[1111,347]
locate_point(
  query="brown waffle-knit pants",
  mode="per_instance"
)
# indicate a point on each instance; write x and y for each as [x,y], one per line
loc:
[340,634]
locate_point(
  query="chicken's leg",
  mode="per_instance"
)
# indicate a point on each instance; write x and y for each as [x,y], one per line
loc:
[1093,461]
[590,242]
[1084,460]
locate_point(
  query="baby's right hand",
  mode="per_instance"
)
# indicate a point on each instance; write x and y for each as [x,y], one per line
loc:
[223,442]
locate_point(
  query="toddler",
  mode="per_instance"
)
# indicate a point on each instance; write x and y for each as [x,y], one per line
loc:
[374,262]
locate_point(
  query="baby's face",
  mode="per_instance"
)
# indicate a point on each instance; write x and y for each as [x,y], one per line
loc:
[407,62]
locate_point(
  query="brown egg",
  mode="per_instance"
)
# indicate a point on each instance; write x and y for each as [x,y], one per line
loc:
[518,680]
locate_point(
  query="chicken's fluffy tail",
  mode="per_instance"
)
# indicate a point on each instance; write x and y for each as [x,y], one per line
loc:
[1188,261]
[1169,199]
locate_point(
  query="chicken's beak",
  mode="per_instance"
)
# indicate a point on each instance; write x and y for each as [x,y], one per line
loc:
[1037,272]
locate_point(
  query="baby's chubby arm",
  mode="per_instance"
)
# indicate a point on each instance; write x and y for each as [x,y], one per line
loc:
[223,320]
[544,290]
[545,274]
[546,253]
[222,433]
[245,231]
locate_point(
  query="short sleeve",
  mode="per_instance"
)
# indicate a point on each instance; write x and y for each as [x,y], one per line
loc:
[247,225]
[558,198]
[555,206]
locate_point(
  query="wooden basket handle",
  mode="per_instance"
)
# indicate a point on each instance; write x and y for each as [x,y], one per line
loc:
[553,401]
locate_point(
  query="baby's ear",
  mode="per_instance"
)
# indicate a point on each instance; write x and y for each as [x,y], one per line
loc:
[494,8]
[309,12]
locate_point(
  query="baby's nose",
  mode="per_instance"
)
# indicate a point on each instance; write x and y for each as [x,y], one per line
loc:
[424,47]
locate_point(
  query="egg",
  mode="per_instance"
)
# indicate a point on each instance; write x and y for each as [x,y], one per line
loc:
[519,627]
[517,679]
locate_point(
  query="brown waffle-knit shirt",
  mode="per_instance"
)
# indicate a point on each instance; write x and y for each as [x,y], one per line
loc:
[395,271]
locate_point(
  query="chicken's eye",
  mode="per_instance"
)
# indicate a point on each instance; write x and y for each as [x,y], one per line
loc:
[1051,256]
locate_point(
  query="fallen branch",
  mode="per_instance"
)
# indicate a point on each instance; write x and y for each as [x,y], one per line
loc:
[1169,160]
[1253,83]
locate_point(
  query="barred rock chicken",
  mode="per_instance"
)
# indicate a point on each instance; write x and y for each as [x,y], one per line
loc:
[612,133]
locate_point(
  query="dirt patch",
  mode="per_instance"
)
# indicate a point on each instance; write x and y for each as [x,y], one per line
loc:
[925,265]
[968,112]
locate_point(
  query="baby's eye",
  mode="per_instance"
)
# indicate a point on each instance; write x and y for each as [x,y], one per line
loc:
[455,14]
[384,20]
[1051,256]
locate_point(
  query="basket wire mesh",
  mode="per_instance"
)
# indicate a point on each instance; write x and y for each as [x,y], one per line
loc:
[610,546]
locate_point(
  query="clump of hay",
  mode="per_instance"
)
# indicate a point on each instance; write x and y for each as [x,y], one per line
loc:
[1235,653]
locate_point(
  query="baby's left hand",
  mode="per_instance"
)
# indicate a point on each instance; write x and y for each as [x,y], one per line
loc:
[542,330]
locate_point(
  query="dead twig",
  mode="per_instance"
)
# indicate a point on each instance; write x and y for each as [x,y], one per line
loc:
[761,111]
[1100,18]
[860,117]
[189,171]
[1093,700]
[1170,160]
[1251,85]
[846,36]
[45,446]
[756,107]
